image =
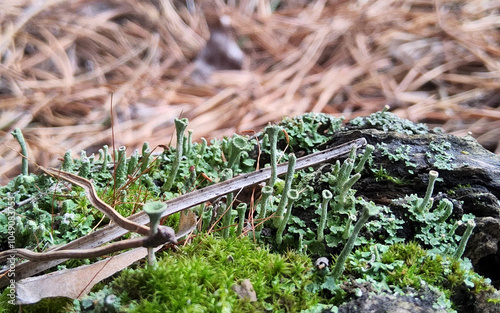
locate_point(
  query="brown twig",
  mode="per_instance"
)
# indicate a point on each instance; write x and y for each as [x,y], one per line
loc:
[96,201]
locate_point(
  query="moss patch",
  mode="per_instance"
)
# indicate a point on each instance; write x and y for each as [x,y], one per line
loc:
[199,278]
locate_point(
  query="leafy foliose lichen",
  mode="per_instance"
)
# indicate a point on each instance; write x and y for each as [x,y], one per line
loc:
[387,121]
[309,130]
[439,155]
[402,153]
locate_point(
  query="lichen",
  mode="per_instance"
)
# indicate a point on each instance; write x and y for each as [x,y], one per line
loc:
[387,121]
[401,154]
[439,155]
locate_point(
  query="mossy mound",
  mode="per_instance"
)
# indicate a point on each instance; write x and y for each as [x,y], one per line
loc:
[201,277]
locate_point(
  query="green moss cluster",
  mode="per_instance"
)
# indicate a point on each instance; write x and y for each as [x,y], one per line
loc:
[200,276]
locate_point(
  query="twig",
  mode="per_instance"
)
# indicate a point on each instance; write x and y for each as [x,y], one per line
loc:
[164,235]
[96,201]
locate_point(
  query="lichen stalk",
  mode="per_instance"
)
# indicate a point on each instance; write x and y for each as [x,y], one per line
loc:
[266,192]
[203,146]
[327,196]
[154,210]
[84,168]
[288,184]
[241,208]
[146,159]
[292,196]
[24,150]
[107,154]
[188,144]
[368,210]
[344,173]
[132,163]
[347,229]
[433,175]
[465,238]
[226,174]
[453,228]
[366,155]
[106,159]
[352,153]
[121,167]
[67,164]
[180,127]
[272,133]
[348,184]
[238,144]
[446,208]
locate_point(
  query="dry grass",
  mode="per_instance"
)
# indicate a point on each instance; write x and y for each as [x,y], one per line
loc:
[432,61]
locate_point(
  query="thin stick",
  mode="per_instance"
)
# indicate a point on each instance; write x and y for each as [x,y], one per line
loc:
[96,201]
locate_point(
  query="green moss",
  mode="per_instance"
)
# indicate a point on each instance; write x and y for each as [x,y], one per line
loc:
[417,266]
[199,277]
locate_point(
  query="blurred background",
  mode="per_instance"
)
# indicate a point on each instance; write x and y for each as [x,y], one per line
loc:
[70,70]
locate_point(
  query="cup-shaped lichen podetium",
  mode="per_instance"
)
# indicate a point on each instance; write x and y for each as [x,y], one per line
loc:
[238,145]
[292,196]
[154,210]
[180,127]
[426,202]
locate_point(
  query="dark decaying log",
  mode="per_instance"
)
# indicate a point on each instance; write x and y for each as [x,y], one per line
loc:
[469,177]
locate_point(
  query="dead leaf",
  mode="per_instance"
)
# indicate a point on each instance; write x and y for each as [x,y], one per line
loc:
[76,282]
[187,222]
[245,290]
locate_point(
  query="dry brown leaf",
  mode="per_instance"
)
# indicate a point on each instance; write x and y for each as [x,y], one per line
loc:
[245,290]
[187,222]
[76,282]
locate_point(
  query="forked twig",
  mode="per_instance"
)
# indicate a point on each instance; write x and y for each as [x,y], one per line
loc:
[96,201]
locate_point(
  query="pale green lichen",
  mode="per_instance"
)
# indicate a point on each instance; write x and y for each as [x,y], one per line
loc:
[24,150]
[387,121]
[369,209]
[439,155]
[180,127]
[284,196]
[154,210]
[401,154]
